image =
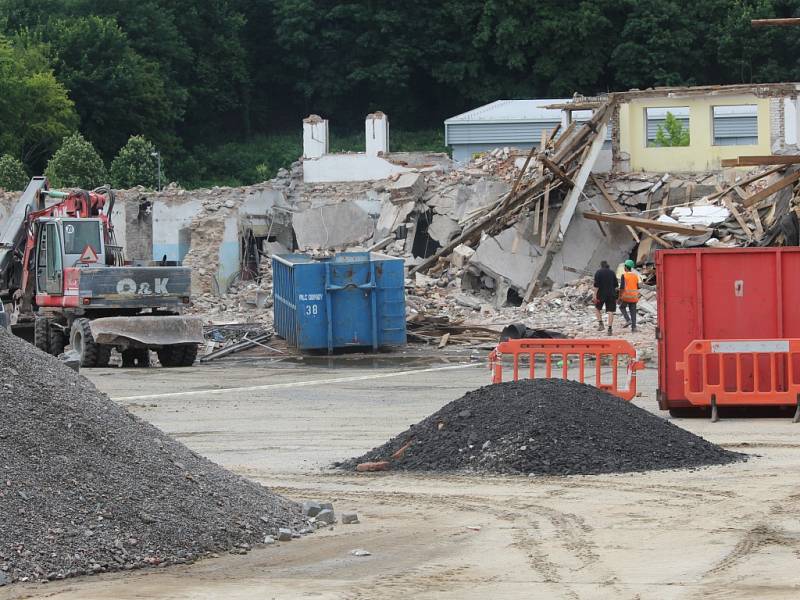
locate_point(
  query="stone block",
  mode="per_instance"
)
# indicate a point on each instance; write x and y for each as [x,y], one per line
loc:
[326,516]
[311,509]
[461,255]
[350,519]
[284,535]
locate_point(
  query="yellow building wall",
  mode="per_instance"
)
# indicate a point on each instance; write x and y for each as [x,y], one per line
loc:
[701,154]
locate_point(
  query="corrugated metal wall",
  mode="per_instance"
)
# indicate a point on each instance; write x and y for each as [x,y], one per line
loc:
[735,130]
[497,133]
[653,124]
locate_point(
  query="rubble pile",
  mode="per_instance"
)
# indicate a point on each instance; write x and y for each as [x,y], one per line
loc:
[544,427]
[87,487]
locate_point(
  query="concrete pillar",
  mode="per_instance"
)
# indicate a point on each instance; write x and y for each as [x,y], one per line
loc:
[315,136]
[377,134]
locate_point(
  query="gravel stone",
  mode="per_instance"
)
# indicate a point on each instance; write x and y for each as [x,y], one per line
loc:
[103,491]
[546,427]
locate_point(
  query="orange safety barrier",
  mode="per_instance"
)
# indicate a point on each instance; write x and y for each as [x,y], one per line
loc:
[598,351]
[741,372]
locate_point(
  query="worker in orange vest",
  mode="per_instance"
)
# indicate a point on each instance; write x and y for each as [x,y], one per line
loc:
[629,284]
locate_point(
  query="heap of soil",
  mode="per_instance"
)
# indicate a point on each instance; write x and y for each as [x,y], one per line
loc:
[545,427]
[86,487]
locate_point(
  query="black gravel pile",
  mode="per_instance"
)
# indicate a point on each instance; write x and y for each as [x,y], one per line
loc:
[86,487]
[545,427]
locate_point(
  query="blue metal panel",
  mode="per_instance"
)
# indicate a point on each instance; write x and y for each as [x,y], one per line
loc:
[356,299]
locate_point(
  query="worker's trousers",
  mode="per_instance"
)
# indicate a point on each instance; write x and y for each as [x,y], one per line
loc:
[628,310]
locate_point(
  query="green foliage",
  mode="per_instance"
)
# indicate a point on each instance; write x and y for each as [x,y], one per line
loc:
[672,132]
[12,174]
[76,164]
[117,92]
[201,79]
[35,112]
[135,164]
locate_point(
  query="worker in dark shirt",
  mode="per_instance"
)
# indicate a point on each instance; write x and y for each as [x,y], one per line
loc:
[605,294]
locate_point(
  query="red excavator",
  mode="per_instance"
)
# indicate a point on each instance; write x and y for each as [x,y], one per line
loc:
[62,270]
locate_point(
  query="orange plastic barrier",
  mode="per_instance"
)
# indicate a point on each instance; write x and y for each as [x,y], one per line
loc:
[598,352]
[741,372]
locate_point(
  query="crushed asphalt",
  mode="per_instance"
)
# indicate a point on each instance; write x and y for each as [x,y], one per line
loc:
[544,427]
[86,487]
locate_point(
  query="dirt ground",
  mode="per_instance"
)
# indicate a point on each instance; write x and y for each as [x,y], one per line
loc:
[720,532]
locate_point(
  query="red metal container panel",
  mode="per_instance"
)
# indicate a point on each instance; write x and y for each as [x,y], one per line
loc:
[716,293]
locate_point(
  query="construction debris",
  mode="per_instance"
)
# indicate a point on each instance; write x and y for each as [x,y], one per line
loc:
[90,488]
[544,427]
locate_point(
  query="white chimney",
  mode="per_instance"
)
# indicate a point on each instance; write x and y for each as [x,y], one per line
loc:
[377,133]
[315,136]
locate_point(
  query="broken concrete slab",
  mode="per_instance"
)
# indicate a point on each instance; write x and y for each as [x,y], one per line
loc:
[326,516]
[443,229]
[508,255]
[409,186]
[350,519]
[485,192]
[332,226]
[391,217]
[585,245]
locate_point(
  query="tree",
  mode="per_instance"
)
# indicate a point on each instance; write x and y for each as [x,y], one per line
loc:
[135,164]
[672,132]
[76,164]
[117,92]
[12,174]
[35,112]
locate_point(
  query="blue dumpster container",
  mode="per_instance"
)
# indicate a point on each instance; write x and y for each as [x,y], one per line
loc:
[355,299]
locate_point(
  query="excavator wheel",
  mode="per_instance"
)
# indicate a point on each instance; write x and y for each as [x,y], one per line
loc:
[92,354]
[177,355]
[136,357]
[41,336]
[58,339]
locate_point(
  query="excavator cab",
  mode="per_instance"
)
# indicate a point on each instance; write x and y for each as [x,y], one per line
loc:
[65,243]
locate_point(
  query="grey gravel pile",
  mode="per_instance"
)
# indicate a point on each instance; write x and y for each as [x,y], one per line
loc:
[86,487]
[545,427]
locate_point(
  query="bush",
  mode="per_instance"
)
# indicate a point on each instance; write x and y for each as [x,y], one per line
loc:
[672,133]
[135,164]
[12,174]
[76,164]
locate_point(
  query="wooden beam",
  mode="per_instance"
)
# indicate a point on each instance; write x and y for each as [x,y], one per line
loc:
[771,189]
[546,206]
[615,206]
[552,135]
[557,171]
[737,215]
[754,161]
[753,212]
[774,22]
[646,223]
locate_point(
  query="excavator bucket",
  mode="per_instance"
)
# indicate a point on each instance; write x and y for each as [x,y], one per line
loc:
[151,331]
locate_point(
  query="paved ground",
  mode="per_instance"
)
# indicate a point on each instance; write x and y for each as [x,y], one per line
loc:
[721,532]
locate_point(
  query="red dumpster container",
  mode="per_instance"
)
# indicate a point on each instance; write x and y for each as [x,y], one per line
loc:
[735,294]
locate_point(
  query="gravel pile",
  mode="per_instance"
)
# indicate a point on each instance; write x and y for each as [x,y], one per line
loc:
[544,427]
[86,487]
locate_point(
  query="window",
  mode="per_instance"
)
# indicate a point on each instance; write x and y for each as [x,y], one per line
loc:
[667,126]
[79,234]
[735,125]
